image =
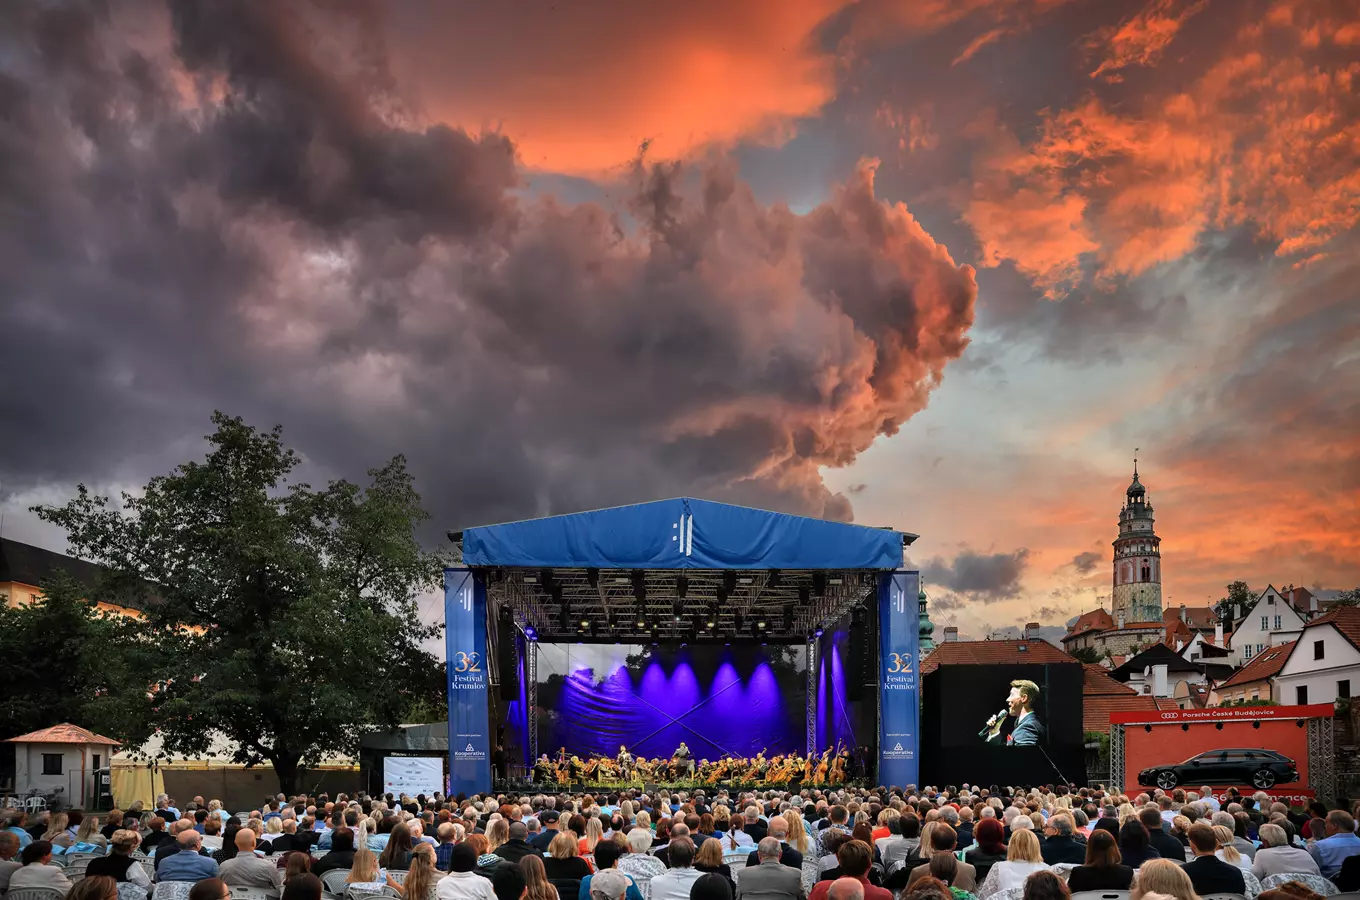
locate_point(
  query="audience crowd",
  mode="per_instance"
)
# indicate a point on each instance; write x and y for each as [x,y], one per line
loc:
[965,843]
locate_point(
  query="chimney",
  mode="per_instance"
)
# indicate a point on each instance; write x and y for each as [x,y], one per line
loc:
[951,634]
[1218,633]
[1159,681]
[1121,619]
[1180,644]
[1183,614]
[1031,630]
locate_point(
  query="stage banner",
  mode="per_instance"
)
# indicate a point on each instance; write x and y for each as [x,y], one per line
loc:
[469,716]
[898,678]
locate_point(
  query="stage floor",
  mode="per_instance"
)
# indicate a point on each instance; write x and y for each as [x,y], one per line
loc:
[690,786]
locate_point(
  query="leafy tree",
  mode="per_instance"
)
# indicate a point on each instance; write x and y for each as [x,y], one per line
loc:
[1239,600]
[1348,598]
[80,665]
[289,612]
[1086,654]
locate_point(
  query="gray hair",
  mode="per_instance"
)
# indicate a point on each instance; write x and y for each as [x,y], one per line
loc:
[1225,819]
[949,815]
[1273,836]
[639,840]
[1062,825]
[769,848]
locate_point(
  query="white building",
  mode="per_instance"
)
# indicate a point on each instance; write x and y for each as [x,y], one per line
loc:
[1324,665]
[1270,622]
[61,758]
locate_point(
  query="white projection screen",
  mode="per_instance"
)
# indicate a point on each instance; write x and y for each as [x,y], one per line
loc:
[413,775]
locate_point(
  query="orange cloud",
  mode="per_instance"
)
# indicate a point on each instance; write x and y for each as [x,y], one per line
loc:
[1268,136]
[581,87]
[1140,39]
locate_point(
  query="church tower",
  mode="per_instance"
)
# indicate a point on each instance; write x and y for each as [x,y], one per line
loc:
[1137,559]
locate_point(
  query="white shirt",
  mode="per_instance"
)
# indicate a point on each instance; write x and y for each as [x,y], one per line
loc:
[1007,875]
[674,884]
[464,886]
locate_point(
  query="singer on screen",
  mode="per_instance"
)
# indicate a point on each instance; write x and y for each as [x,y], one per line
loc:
[1026,730]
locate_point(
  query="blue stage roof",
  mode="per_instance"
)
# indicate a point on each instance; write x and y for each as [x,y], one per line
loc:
[682,534]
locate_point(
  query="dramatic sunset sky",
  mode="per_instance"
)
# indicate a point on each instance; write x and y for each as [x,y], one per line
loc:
[934,264]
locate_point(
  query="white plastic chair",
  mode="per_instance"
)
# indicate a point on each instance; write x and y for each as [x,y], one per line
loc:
[1315,883]
[1223,895]
[35,804]
[249,893]
[334,880]
[398,875]
[128,890]
[1101,895]
[172,890]
[35,893]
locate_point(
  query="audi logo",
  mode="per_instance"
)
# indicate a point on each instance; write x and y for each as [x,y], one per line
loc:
[1170,715]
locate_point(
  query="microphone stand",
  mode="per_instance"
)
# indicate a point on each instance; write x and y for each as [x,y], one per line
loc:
[1061,777]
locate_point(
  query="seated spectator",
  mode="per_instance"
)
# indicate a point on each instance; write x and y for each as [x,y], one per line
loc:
[536,883]
[637,862]
[1135,848]
[397,853]
[210,889]
[341,855]
[1166,845]
[1061,845]
[1159,878]
[188,863]
[463,882]
[367,875]
[246,869]
[563,861]
[607,855]
[422,878]
[302,887]
[708,859]
[675,883]
[1023,859]
[36,873]
[98,887]
[1046,886]
[156,837]
[855,858]
[988,848]
[1102,869]
[778,829]
[119,864]
[1209,874]
[1227,852]
[1340,843]
[516,844]
[9,862]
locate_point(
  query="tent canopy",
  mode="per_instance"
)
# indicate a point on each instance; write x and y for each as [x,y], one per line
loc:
[683,533]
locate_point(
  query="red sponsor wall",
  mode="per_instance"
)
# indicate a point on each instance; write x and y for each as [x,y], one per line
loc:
[1158,738]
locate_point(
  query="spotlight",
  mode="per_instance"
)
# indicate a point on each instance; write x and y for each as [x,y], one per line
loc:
[678,609]
[1299,723]
[1148,729]
[1185,728]
[684,644]
[804,596]
[1256,724]
[641,617]
[530,633]
[819,583]
[761,623]
[681,586]
[585,623]
[818,633]
[712,621]
[1218,725]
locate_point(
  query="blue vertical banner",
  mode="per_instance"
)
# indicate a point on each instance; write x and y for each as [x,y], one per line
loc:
[469,714]
[899,680]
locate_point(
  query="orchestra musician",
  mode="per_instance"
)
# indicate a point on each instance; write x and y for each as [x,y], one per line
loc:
[834,766]
[625,761]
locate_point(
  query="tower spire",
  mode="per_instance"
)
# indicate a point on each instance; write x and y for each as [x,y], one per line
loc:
[1135,462]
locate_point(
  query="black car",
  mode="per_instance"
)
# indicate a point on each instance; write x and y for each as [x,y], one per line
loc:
[1259,768]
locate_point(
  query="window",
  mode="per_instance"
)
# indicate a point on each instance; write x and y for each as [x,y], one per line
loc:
[52,763]
[1302,692]
[1317,649]
[1265,623]
[1343,689]
[1277,623]
[1270,599]
[1246,651]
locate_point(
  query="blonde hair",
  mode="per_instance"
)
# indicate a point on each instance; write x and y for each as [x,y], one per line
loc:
[1225,843]
[797,836]
[419,883]
[594,834]
[644,819]
[563,846]
[364,869]
[274,826]
[497,833]
[1024,847]
[926,850]
[710,854]
[57,827]
[1162,877]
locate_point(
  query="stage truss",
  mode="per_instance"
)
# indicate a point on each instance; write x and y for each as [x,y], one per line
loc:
[812,685]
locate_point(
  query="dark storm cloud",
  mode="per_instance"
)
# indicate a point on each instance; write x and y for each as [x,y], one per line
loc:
[987,577]
[1087,561]
[225,205]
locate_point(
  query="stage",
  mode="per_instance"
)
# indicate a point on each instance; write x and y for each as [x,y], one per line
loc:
[738,630]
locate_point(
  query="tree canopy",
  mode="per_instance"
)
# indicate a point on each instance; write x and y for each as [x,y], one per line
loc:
[287,613]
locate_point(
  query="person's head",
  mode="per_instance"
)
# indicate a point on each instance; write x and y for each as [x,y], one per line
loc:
[610,884]
[518,831]
[926,888]
[1339,822]
[1101,849]
[365,866]
[1273,836]
[9,844]
[56,826]
[639,840]
[1044,885]
[1024,847]
[607,853]
[1024,694]
[779,829]
[990,835]
[464,856]
[710,853]
[301,886]
[768,849]
[189,840]
[497,833]
[36,852]
[1162,876]
[563,846]
[942,838]
[1151,818]
[1133,835]
[1203,841]
[94,887]
[681,852]
[297,863]
[855,858]
[846,889]
[711,886]
[245,839]
[210,889]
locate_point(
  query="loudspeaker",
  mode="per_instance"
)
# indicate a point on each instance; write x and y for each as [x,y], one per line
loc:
[507,660]
[863,674]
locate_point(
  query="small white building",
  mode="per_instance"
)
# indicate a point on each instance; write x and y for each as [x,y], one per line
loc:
[1324,665]
[64,756]
[1270,622]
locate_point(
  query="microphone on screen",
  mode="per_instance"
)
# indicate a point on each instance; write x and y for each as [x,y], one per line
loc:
[991,723]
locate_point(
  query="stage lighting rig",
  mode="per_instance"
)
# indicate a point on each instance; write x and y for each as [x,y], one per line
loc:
[773,581]
[678,609]
[819,583]
[804,596]
[788,618]
[545,578]
[640,585]
[681,586]
[530,633]
[712,621]
[593,576]
[738,620]
[729,580]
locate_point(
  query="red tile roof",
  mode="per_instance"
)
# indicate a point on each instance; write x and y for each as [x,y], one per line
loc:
[1102,695]
[65,733]
[1266,664]
[1347,621]
[988,653]
[1095,620]
[1197,617]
